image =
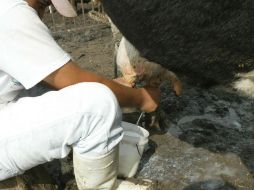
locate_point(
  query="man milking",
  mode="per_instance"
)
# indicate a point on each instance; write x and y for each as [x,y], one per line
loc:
[82,114]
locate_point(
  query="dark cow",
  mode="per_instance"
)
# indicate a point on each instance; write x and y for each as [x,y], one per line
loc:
[212,41]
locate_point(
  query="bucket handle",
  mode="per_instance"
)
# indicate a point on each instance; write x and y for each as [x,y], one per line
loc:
[138,151]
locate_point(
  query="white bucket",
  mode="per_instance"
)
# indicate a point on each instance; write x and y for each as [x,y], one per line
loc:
[131,149]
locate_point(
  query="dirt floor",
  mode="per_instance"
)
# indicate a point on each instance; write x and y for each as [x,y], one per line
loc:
[207,136]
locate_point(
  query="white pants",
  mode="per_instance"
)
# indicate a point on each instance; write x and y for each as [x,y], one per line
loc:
[35,130]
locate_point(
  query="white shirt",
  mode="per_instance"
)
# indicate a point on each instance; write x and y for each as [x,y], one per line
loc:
[28,52]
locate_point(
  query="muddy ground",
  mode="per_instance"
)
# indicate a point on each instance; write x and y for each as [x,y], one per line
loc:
[208,138]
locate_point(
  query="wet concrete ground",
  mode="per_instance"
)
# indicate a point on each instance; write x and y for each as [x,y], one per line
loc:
[208,141]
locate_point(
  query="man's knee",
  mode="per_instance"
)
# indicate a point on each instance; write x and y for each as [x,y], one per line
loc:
[101,116]
[96,97]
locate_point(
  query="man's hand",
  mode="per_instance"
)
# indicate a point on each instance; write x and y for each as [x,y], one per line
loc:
[151,96]
[122,81]
[151,99]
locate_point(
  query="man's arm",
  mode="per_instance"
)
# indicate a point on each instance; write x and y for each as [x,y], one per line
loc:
[146,99]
